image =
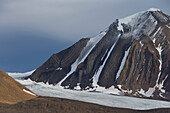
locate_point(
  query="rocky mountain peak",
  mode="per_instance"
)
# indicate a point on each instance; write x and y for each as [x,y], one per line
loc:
[139,24]
[132,57]
[153,9]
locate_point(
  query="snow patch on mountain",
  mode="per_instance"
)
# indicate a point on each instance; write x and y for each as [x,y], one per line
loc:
[29,92]
[140,22]
[168,26]
[59,68]
[148,93]
[131,20]
[154,9]
[77,87]
[123,90]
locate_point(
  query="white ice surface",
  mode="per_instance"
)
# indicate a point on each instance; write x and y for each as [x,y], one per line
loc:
[102,97]
[20,75]
[94,97]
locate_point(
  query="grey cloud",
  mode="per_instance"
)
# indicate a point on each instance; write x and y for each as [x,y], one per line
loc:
[71,19]
[32,30]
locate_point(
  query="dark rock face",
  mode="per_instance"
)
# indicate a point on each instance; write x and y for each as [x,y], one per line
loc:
[58,65]
[133,55]
[86,70]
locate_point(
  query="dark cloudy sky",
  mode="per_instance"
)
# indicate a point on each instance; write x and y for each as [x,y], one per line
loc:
[32,30]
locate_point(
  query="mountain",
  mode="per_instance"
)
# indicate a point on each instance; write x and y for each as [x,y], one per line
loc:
[11,91]
[131,57]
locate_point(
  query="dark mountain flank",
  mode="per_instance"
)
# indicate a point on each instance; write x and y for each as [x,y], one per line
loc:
[12,92]
[132,55]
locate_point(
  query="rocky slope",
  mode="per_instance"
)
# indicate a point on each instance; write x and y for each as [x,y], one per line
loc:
[132,56]
[58,105]
[12,92]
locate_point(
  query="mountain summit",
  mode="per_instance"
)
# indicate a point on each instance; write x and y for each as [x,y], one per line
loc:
[132,57]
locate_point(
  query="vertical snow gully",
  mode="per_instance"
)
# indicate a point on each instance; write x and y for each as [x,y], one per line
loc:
[122,63]
[84,54]
[98,72]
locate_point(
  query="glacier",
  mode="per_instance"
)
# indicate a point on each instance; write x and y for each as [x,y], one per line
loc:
[43,89]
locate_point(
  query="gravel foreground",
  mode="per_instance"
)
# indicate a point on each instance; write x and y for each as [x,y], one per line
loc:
[58,105]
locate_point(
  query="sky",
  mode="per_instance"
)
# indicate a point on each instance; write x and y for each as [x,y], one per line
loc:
[32,30]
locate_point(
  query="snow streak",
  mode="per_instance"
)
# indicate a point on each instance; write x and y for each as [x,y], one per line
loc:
[97,74]
[168,26]
[159,49]
[83,55]
[155,34]
[122,63]
[29,92]
[138,59]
